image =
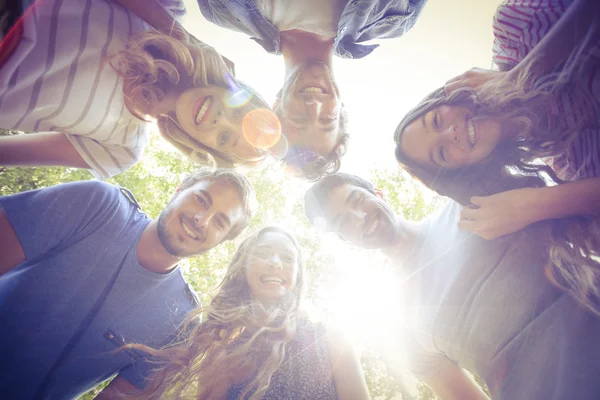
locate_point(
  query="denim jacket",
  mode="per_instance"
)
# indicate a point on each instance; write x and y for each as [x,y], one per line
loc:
[361,20]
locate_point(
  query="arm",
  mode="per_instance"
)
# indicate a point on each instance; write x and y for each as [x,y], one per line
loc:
[10,246]
[40,149]
[116,388]
[450,382]
[346,370]
[580,19]
[511,211]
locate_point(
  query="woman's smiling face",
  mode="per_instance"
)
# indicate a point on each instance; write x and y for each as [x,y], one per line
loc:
[206,115]
[450,137]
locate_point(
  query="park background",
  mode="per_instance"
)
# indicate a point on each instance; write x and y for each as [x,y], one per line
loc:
[351,289]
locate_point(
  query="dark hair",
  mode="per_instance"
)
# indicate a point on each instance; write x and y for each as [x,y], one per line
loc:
[230,177]
[319,192]
[308,164]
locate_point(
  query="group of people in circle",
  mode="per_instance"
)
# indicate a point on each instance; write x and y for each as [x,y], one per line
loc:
[504,281]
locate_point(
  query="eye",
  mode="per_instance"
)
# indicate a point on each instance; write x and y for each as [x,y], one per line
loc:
[219,223]
[327,120]
[442,154]
[436,121]
[223,138]
[237,112]
[201,201]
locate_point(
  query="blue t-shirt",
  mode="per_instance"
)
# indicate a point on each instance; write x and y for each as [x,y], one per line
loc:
[78,238]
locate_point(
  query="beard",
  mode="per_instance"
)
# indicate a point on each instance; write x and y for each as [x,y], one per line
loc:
[167,239]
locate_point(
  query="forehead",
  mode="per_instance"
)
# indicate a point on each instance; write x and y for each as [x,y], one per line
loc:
[278,240]
[225,196]
[338,199]
[311,135]
[417,140]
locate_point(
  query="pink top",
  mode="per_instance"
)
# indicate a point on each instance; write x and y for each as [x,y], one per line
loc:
[518,26]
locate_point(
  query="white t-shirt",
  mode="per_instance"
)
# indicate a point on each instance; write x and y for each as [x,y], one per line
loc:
[57,80]
[316,16]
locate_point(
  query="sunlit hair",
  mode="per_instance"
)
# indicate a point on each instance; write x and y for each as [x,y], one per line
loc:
[155,64]
[318,194]
[574,243]
[239,340]
[229,177]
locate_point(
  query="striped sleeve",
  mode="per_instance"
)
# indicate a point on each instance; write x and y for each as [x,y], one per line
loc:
[519,25]
[105,159]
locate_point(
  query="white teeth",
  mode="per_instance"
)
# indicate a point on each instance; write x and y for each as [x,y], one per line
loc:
[203,109]
[373,226]
[471,129]
[313,89]
[272,280]
[188,231]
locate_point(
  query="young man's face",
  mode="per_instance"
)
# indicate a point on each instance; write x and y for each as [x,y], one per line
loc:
[360,217]
[199,218]
[310,108]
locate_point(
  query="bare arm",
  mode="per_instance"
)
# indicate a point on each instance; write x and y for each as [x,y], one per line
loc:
[116,389]
[40,149]
[346,370]
[507,212]
[10,246]
[452,383]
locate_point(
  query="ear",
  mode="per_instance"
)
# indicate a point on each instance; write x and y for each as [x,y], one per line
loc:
[379,193]
[178,190]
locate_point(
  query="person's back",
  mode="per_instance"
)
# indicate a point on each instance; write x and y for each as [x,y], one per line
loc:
[81,294]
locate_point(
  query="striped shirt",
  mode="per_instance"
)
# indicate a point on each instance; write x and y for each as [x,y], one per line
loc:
[518,26]
[57,80]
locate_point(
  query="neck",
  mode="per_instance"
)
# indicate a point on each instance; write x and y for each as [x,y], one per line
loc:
[404,241]
[151,253]
[301,47]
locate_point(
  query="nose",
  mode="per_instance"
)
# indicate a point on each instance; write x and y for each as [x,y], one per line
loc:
[313,107]
[275,261]
[357,217]
[451,133]
[202,220]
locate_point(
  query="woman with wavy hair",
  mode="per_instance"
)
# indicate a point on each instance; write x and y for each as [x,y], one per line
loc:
[519,149]
[88,79]
[253,341]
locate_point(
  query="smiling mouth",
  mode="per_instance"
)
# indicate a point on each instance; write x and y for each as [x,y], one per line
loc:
[372,226]
[471,131]
[313,90]
[188,230]
[201,109]
[271,280]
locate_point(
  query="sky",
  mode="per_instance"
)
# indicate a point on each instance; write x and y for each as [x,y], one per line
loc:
[449,38]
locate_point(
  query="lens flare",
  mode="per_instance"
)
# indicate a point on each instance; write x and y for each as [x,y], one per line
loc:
[261,128]
[236,96]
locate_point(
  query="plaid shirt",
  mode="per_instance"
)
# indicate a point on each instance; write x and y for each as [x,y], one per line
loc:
[361,20]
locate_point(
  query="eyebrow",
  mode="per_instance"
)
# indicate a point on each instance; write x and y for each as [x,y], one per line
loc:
[328,129]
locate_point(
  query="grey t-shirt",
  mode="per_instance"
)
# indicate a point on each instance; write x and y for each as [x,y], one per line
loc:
[488,306]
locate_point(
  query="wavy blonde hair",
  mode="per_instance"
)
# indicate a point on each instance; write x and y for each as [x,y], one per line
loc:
[573,243]
[155,64]
[240,341]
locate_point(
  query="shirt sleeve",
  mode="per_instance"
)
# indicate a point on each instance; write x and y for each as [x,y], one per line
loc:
[106,159]
[48,218]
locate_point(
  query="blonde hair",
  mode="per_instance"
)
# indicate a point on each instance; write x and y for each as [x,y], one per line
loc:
[241,341]
[155,64]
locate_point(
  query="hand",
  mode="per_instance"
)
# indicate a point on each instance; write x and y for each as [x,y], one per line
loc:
[473,78]
[500,214]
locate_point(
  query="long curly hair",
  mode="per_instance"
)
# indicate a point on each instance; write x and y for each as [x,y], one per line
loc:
[239,341]
[574,243]
[155,64]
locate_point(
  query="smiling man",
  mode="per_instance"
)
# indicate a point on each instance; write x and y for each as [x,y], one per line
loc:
[481,305]
[308,33]
[84,271]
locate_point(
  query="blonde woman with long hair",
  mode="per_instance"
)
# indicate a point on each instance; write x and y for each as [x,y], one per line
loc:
[495,148]
[254,341]
[88,79]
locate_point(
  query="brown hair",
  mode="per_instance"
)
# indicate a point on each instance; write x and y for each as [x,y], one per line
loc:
[240,340]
